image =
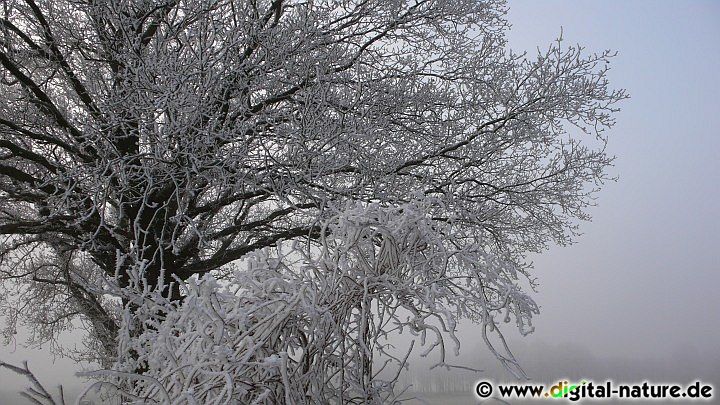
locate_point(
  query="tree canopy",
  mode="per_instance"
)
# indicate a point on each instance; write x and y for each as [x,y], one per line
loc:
[306,176]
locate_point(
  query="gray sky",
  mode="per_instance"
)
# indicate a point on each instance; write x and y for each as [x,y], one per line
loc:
[643,281]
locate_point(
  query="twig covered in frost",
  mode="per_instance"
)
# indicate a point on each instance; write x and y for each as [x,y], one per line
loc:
[36,392]
[301,325]
[242,199]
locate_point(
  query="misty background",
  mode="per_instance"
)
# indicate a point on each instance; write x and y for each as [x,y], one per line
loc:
[637,296]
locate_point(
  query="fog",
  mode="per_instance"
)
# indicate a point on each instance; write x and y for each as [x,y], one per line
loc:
[643,279]
[636,297]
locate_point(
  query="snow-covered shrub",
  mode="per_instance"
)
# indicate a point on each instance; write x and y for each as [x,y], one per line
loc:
[298,324]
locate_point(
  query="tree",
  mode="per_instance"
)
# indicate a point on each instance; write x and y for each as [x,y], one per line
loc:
[308,177]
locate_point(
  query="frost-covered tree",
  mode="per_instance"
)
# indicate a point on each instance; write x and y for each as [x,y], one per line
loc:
[240,200]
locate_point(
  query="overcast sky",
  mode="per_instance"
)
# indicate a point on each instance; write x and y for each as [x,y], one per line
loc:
[644,278]
[643,281]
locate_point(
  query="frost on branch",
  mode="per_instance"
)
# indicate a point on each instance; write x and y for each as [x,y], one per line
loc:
[154,153]
[309,325]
